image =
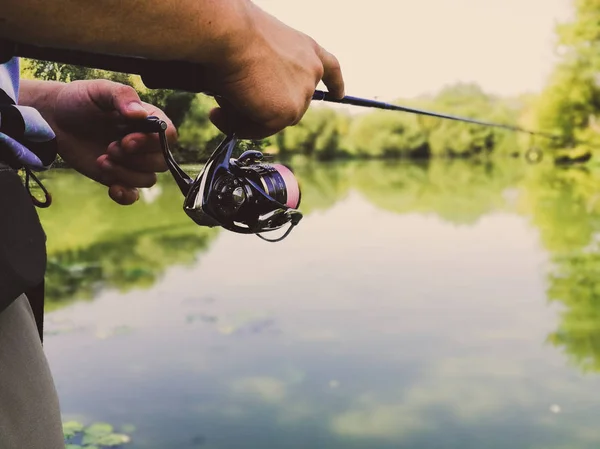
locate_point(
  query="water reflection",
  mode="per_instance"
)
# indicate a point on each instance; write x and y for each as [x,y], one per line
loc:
[413,307]
[94,244]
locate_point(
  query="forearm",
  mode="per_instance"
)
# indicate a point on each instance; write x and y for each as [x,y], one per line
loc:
[200,31]
[40,95]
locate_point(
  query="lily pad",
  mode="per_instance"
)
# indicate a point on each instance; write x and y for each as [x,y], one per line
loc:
[71,428]
[98,430]
[97,436]
[111,440]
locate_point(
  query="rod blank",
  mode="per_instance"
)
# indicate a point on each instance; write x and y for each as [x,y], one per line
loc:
[356,101]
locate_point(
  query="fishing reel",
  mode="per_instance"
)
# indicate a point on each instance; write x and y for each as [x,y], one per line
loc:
[243,195]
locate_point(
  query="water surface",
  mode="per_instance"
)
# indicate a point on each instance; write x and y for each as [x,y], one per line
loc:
[446,305]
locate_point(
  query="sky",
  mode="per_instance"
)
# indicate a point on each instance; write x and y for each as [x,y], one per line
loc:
[392,49]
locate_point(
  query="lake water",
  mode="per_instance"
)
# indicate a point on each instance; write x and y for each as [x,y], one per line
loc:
[448,305]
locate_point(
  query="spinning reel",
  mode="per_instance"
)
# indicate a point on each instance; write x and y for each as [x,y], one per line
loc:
[242,195]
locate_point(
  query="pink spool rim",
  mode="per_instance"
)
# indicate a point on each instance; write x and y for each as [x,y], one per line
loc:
[291,183]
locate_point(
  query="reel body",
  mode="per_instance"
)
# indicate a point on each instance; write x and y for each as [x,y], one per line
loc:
[242,195]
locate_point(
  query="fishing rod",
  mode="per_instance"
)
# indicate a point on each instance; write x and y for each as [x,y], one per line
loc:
[363,102]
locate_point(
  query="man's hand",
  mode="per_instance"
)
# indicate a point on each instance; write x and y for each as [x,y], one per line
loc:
[267,80]
[265,71]
[85,116]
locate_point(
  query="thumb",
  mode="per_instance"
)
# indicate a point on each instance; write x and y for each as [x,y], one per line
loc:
[110,96]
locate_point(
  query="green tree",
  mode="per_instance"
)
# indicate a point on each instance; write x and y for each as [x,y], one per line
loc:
[319,134]
[570,103]
[387,134]
[198,137]
[455,138]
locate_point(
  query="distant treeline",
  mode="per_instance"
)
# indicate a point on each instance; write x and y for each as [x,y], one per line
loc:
[567,107]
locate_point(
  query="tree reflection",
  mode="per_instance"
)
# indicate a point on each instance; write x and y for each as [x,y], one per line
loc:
[459,192]
[576,286]
[94,244]
[565,207]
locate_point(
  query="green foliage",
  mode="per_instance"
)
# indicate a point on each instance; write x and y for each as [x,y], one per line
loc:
[454,138]
[94,243]
[96,436]
[570,103]
[54,71]
[198,138]
[326,133]
[319,134]
[382,134]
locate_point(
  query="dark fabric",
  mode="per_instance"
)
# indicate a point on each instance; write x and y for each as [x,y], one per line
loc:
[12,123]
[22,240]
[36,301]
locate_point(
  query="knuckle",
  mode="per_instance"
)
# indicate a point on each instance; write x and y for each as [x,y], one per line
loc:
[335,64]
[123,90]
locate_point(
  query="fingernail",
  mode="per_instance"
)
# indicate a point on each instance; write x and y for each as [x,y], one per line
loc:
[107,164]
[133,144]
[119,194]
[135,107]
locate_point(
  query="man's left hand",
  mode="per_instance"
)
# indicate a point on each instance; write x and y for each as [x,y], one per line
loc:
[85,118]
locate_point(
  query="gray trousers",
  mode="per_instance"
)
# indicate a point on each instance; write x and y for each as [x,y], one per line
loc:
[29,409]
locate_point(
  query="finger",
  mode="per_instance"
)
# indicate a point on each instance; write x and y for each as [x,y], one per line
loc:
[116,174]
[110,96]
[149,142]
[139,143]
[332,73]
[143,162]
[229,121]
[123,195]
[171,131]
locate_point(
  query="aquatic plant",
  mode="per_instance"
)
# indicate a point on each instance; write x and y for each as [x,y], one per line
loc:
[96,436]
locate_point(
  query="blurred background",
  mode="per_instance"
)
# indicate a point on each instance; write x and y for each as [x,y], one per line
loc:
[440,292]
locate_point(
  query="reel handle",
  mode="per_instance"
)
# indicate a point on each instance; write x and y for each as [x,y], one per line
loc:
[148,125]
[153,124]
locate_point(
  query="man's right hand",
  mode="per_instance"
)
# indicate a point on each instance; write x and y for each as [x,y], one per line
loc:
[266,82]
[264,71]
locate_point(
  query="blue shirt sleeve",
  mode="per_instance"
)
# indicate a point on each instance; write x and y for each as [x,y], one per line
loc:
[26,139]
